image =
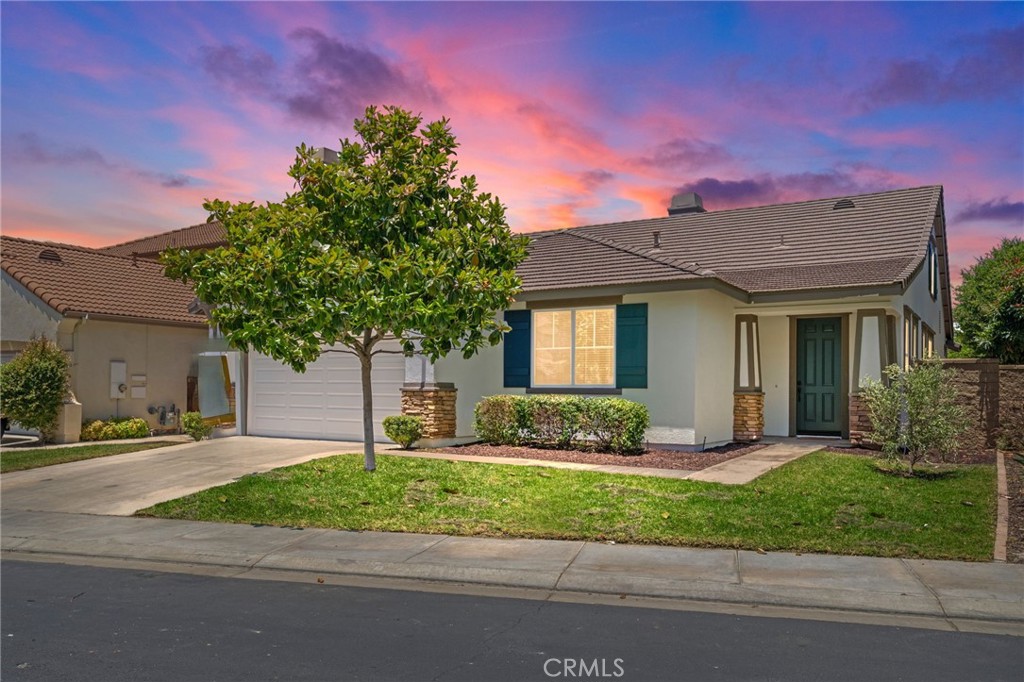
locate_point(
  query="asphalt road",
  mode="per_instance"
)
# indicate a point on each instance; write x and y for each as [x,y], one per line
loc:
[82,623]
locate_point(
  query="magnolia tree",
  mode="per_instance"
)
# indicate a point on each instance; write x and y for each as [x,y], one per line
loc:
[387,244]
[915,412]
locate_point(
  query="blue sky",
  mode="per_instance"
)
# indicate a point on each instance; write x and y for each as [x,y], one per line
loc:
[119,119]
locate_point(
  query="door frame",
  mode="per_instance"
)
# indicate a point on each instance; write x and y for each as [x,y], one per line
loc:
[844,370]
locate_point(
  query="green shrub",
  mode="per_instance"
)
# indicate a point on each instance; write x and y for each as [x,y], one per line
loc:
[115,429]
[34,384]
[618,425]
[552,418]
[500,419]
[915,413]
[403,429]
[614,424]
[192,423]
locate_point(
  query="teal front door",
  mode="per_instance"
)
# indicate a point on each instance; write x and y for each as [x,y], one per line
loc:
[818,361]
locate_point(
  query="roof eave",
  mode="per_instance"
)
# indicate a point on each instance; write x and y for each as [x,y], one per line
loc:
[134,319]
[584,291]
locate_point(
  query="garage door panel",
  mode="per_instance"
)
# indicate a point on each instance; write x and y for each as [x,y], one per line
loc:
[324,402]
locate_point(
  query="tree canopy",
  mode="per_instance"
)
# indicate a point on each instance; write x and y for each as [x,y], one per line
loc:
[34,384]
[387,243]
[990,305]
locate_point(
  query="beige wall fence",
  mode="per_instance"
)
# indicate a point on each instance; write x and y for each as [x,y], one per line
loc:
[993,396]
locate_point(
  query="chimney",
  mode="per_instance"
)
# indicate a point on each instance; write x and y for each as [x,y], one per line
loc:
[690,202]
[326,155]
[657,239]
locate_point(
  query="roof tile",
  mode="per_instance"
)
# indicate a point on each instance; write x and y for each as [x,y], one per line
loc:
[87,281]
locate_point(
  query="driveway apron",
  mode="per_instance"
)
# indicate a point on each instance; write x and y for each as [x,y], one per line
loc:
[123,484]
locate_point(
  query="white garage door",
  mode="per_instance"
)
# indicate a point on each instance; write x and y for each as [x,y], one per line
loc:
[324,402]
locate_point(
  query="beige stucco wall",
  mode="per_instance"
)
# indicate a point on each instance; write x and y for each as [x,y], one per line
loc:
[774,332]
[918,299]
[673,342]
[23,315]
[162,353]
[715,366]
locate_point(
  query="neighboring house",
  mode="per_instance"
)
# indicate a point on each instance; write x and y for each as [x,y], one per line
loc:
[127,328]
[201,236]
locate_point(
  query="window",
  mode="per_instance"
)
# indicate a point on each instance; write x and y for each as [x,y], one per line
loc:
[574,347]
[929,341]
[912,338]
[932,263]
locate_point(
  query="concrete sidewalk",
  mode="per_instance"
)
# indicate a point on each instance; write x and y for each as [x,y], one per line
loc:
[955,592]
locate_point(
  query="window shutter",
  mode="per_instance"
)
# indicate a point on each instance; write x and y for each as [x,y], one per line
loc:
[517,349]
[631,345]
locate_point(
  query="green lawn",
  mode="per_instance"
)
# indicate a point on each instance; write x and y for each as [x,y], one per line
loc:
[18,459]
[821,503]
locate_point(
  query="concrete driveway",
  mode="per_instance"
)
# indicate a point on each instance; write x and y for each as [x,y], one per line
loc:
[123,484]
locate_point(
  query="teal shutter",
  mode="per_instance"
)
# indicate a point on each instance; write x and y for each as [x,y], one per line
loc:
[631,345]
[517,349]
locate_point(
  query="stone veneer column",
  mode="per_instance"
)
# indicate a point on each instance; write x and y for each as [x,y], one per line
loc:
[748,416]
[860,421]
[435,403]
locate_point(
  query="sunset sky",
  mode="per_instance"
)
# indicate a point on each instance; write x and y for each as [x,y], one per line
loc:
[119,119]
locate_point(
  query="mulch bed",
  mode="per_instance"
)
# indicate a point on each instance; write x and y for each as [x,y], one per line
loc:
[1015,490]
[654,459]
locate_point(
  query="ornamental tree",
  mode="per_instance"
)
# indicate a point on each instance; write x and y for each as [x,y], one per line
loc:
[989,313]
[915,413]
[386,244]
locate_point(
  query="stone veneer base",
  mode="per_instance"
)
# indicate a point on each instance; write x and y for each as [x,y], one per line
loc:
[435,405]
[747,417]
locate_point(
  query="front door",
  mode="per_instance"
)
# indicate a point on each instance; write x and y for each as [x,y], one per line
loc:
[818,362]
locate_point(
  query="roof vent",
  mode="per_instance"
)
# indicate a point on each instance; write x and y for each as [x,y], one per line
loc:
[689,202]
[49,256]
[657,239]
[843,203]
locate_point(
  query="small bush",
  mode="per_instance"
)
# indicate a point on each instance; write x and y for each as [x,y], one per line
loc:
[613,424]
[34,384]
[115,429]
[916,413]
[553,418]
[192,424]
[618,425]
[403,429]
[500,419]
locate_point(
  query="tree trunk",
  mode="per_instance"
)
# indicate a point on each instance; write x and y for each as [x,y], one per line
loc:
[365,364]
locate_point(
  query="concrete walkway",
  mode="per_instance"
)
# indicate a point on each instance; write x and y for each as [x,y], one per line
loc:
[746,468]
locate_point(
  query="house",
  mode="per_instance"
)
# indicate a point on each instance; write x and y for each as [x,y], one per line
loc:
[128,330]
[727,324]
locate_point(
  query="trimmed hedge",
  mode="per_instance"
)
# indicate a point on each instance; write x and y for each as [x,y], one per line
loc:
[404,429]
[613,424]
[114,429]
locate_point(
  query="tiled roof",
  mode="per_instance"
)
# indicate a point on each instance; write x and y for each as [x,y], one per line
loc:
[75,281]
[804,245]
[548,266]
[203,235]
